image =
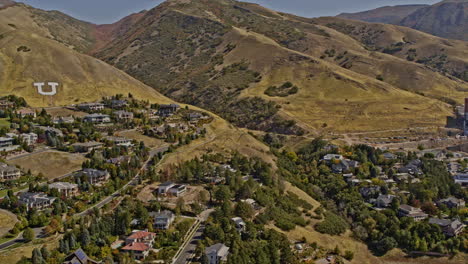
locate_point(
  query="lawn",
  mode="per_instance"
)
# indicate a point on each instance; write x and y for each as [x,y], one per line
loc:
[4,122]
[51,164]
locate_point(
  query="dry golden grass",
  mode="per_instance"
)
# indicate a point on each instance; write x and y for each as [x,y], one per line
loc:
[301,194]
[150,142]
[7,221]
[81,77]
[221,137]
[51,164]
[62,111]
[345,100]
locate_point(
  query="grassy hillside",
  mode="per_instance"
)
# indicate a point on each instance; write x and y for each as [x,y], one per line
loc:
[386,14]
[228,52]
[29,53]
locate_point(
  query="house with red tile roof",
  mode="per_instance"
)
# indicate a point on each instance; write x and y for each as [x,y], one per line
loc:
[139,243]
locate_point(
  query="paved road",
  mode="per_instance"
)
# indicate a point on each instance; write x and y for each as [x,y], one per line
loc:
[132,182]
[38,233]
[28,154]
[187,252]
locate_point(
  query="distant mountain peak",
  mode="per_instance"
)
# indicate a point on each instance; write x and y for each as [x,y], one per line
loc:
[4,3]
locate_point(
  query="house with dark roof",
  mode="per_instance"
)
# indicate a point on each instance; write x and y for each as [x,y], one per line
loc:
[163,219]
[177,190]
[384,200]
[239,223]
[37,201]
[123,115]
[91,107]
[139,243]
[79,257]
[65,188]
[413,212]
[450,228]
[9,172]
[87,146]
[94,176]
[163,188]
[166,110]
[452,202]
[217,253]
[97,118]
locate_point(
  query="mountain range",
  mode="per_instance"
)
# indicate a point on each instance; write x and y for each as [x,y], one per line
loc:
[447,19]
[257,68]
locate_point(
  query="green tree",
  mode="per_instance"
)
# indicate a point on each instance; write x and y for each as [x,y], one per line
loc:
[28,234]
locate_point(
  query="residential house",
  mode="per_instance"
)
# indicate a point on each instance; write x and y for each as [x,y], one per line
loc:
[163,220]
[29,138]
[217,253]
[91,107]
[168,110]
[450,228]
[389,156]
[97,118]
[25,112]
[38,201]
[119,160]
[177,190]
[330,157]
[384,200]
[163,188]
[120,141]
[461,178]
[194,116]
[123,115]
[452,202]
[50,131]
[87,146]
[8,172]
[139,243]
[409,211]
[6,144]
[65,188]
[5,104]
[63,120]
[413,168]
[116,104]
[94,176]
[79,257]
[344,165]
[239,223]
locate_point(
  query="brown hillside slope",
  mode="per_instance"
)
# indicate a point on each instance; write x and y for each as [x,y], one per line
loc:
[84,78]
[448,19]
[386,14]
[185,49]
[28,55]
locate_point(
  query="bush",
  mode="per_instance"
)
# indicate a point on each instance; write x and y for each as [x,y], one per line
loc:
[332,225]
[284,90]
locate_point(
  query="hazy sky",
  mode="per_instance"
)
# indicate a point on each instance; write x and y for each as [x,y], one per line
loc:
[109,11]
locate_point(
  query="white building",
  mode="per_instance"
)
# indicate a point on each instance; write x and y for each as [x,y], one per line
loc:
[217,253]
[8,172]
[29,138]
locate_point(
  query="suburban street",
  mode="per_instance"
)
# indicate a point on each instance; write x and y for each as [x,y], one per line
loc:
[187,252]
[133,182]
[38,233]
